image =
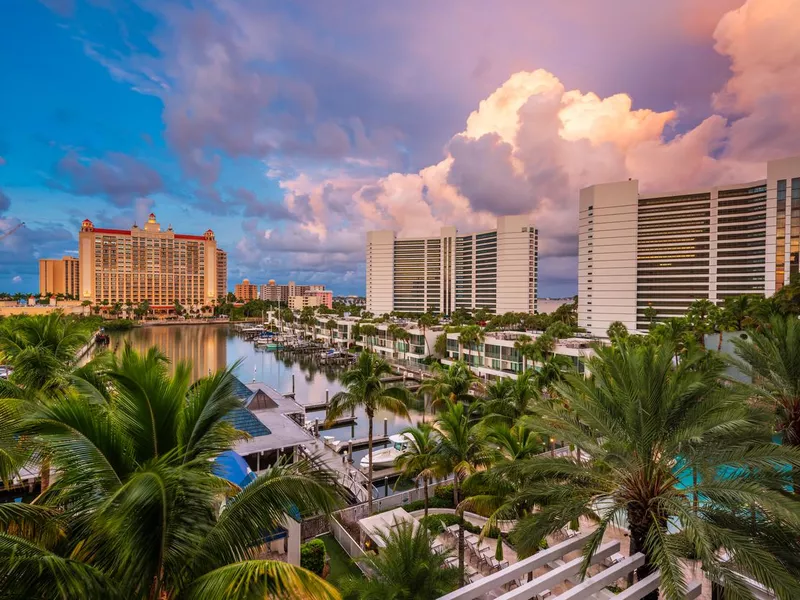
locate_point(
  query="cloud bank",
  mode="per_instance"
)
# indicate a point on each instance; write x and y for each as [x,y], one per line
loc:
[533,143]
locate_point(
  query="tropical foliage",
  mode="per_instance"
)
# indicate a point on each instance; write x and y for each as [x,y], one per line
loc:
[364,387]
[406,568]
[136,509]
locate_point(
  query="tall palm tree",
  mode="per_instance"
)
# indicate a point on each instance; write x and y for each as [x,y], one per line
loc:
[506,399]
[369,331]
[364,388]
[42,351]
[771,358]
[524,345]
[418,461]
[461,451]
[406,568]
[503,494]
[137,510]
[472,336]
[636,417]
[425,322]
[552,370]
[448,385]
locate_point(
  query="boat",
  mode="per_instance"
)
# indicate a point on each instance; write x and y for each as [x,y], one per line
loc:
[384,458]
[5,371]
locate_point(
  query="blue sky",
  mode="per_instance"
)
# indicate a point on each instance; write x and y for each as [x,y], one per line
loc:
[292,128]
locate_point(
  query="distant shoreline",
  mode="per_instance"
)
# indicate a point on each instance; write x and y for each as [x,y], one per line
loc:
[164,323]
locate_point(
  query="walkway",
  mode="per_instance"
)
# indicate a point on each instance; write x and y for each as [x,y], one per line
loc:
[348,477]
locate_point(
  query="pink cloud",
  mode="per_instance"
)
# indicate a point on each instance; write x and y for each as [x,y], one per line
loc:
[530,145]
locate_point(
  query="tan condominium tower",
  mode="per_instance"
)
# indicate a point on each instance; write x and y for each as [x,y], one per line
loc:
[647,257]
[495,270]
[59,276]
[149,264]
[222,273]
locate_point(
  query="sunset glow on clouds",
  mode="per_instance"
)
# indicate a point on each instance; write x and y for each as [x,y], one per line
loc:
[293,132]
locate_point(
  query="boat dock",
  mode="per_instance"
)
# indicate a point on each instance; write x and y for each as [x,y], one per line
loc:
[359,443]
[346,420]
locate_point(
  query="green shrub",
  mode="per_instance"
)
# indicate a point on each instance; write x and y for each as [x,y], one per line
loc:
[118,325]
[312,556]
[445,492]
[433,502]
[436,524]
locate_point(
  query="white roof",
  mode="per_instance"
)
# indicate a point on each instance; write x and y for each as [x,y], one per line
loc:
[384,522]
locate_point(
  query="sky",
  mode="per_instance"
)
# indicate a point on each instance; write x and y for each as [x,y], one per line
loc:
[291,129]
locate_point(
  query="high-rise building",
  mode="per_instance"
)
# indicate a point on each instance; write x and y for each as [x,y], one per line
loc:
[147,264]
[222,273]
[662,251]
[495,270]
[59,276]
[245,291]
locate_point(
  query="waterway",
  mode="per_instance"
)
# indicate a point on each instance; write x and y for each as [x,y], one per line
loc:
[213,347]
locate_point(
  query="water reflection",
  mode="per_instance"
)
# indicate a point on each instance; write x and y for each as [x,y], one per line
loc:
[212,347]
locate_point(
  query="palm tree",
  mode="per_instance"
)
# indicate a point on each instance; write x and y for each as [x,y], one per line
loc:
[42,351]
[506,399]
[448,385]
[418,461]
[137,510]
[425,322]
[771,359]
[501,493]
[552,370]
[616,330]
[364,388]
[405,568]
[462,449]
[651,314]
[636,417]
[330,325]
[440,345]
[369,331]
[472,336]
[524,345]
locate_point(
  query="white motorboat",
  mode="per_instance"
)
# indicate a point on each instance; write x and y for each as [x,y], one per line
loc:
[385,457]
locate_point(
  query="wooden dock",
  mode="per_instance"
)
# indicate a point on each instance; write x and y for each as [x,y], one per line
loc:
[348,420]
[316,406]
[360,443]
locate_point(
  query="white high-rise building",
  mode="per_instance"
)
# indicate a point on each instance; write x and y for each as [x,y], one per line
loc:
[666,250]
[496,270]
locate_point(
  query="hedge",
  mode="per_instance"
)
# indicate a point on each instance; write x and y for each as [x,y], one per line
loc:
[312,556]
[438,523]
[445,492]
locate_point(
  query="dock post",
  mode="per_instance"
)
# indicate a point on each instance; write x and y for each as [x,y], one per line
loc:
[327,394]
[385,426]
[316,427]
[385,486]
[292,383]
[353,411]
[350,449]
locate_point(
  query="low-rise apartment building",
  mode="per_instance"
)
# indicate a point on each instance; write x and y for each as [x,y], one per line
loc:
[497,356]
[415,349]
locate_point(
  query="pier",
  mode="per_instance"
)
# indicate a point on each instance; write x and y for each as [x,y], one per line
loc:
[347,420]
[360,443]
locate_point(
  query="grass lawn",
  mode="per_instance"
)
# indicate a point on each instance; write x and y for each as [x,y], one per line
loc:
[341,564]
